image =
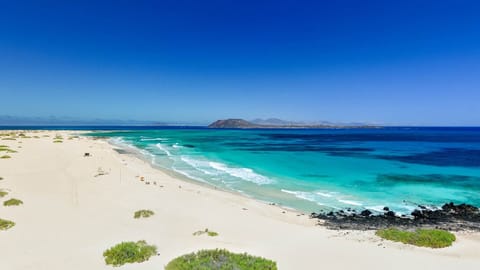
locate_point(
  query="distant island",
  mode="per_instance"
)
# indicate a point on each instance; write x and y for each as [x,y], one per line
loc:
[278,123]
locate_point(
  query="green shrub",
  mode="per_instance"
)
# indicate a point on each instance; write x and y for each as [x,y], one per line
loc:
[5,157]
[57,141]
[12,202]
[143,214]
[3,193]
[206,231]
[129,252]
[220,259]
[212,233]
[421,237]
[6,224]
[1,178]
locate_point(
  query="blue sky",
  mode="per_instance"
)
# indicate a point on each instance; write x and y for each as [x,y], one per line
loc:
[389,62]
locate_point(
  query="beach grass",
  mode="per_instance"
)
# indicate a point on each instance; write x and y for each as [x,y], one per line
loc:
[1,178]
[432,238]
[3,193]
[6,224]
[143,213]
[5,157]
[57,141]
[129,252]
[220,259]
[12,202]
[206,231]
[6,149]
[212,234]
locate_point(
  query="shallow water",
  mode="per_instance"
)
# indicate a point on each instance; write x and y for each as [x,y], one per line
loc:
[323,169]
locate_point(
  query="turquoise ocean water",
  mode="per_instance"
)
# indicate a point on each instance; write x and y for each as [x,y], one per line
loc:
[322,169]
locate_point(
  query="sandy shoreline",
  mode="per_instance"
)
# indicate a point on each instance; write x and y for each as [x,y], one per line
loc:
[70,217]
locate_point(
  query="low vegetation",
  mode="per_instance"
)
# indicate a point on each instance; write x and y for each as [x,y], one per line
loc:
[6,224]
[3,193]
[5,157]
[57,141]
[12,202]
[422,237]
[220,259]
[206,231]
[129,252]
[6,149]
[1,178]
[143,214]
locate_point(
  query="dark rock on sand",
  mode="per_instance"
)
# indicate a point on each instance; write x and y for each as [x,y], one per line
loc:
[449,217]
[366,213]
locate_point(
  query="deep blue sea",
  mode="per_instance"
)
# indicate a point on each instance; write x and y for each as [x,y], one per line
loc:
[322,169]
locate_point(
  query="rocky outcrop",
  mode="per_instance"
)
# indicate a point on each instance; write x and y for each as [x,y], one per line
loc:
[233,123]
[449,217]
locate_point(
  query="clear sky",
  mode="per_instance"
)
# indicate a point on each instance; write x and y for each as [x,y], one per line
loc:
[389,62]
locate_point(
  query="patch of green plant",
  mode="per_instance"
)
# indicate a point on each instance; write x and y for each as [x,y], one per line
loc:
[1,178]
[3,193]
[5,157]
[57,141]
[12,202]
[220,259]
[206,231]
[129,252]
[6,224]
[143,213]
[9,139]
[212,234]
[422,237]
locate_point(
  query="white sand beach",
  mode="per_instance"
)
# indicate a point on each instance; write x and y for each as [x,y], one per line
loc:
[71,215]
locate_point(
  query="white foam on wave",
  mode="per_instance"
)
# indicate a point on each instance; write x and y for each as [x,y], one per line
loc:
[122,143]
[200,165]
[242,173]
[301,195]
[165,150]
[153,139]
[188,175]
[350,202]
[176,145]
[376,208]
[324,194]
[219,169]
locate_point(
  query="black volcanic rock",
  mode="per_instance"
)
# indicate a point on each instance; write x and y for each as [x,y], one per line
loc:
[366,213]
[450,217]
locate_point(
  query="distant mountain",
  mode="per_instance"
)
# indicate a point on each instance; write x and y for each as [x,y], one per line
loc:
[274,122]
[233,123]
[278,123]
